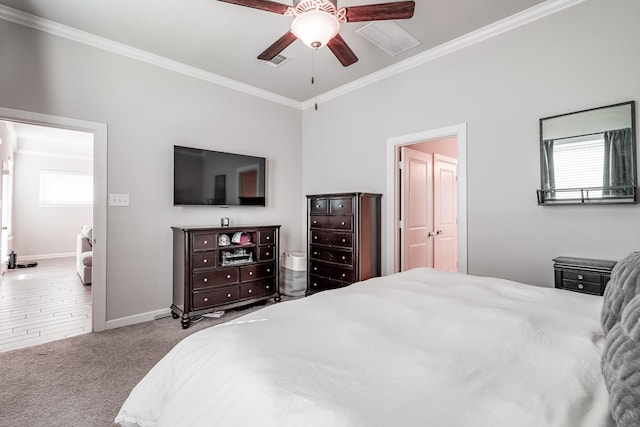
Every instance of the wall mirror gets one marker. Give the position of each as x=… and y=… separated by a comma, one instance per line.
x=589, y=157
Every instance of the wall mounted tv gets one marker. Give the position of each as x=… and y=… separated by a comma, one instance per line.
x=205, y=177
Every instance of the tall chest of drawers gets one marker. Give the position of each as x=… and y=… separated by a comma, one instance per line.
x=343, y=239
x=213, y=271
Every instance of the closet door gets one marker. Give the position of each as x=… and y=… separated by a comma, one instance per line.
x=416, y=209
x=445, y=215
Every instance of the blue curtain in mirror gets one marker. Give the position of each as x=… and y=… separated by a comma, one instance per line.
x=618, y=162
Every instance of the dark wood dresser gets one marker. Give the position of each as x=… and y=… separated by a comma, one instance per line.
x=213, y=271
x=585, y=275
x=343, y=239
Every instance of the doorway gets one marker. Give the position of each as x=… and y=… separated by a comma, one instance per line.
x=394, y=252
x=99, y=259
x=428, y=208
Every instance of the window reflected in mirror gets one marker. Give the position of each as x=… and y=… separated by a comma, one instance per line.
x=589, y=156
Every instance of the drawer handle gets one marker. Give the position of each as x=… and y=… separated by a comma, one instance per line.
x=206, y=299
x=580, y=286
x=580, y=277
x=344, y=274
x=315, y=285
x=268, y=237
x=344, y=257
x=268, y=270
x=205, y=242
x=250, y=290
x=228, y=295
x=315, y=268
x=344, y=240
x=342, y=223
x=315, y=253
x=205, y=280
x=268, y=287
x=205, y=260
x=251, y=273
x=315, y=222
x=315, y=237
x=317, y=206
x=267, y=254
x=342, y=206
x=228, y=276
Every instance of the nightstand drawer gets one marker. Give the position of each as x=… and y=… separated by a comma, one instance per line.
x=582, y=276
x=580, y=286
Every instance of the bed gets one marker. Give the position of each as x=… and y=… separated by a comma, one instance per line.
x=418, y=348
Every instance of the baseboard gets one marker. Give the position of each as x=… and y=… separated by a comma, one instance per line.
x=137, y=318
x=45, y=256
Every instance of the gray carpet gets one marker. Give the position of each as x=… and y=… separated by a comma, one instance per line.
x=83, y=380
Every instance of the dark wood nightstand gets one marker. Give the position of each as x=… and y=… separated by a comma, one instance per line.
x=589, y=276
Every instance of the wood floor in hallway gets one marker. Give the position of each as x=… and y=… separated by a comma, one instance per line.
x=42, y=304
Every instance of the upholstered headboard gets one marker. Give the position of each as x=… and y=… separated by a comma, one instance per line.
x=621, y=357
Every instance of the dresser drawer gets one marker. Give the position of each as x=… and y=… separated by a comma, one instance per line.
x=580, y=286
x=266, y=253
x=319, y=206
x=257, y=271
x=340, y=206
x=211, y=278
x=338, y=222
x=257, y=288
x=204, y=259
x=330, y=238
x=331, y=255
x=266, y=237
x=204, y=241
x=331, y=271
x=582, y=276
x=217, y=296
x=317, y=284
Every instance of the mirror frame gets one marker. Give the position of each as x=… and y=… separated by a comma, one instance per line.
x=630, y=196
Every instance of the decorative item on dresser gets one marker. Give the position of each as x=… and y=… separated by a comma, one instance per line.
x=589, y=276
x=217, y=268
x=343, y=240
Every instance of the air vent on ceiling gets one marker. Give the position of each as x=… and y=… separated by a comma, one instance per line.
x=389, y=36
x=277, y=61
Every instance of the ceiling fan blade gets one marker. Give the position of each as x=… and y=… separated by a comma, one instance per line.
x=269, y=6
x=380, y=12
x=278, y=46
x=342, y=51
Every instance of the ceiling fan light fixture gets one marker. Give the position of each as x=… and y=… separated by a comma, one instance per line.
x=315, y=28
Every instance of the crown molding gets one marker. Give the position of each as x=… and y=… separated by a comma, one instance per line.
x=492, y=30
x=51, y=27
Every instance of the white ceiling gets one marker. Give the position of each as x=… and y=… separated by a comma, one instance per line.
x=224, y=39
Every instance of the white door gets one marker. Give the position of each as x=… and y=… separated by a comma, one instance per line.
x=416, y=209
x=445, y=214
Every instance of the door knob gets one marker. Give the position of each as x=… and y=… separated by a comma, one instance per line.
x=430, y=234
x=438, y=232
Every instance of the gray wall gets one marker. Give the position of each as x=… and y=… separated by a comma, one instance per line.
x=583, y=57
x=44, y=231
x=147, y=110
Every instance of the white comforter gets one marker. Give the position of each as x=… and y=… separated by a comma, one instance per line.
x=420, y=348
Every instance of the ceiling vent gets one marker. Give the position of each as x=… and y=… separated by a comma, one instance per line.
x=277, y=61
x=389, y=36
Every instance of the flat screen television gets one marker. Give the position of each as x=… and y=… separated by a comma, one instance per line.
x=215, y=178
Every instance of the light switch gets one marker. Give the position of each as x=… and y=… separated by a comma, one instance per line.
x=118, y=199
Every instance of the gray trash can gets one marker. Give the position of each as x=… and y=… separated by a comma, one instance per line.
x=293, y=274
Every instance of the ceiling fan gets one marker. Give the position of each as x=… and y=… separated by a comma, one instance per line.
x=317, y=22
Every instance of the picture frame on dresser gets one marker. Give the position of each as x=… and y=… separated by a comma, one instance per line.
x=219, y=268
